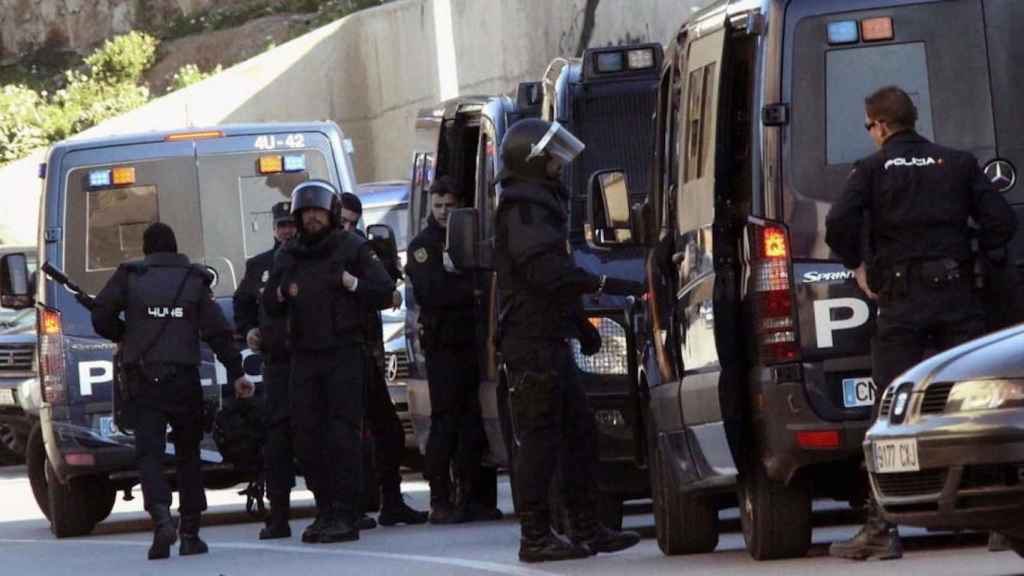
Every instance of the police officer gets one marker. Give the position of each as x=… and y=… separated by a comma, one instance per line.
x=539, y=291
x=914, y=198
x=324, y=282
x=267, y=335
x=167, y=306
x=389, y=438
x=447, y=322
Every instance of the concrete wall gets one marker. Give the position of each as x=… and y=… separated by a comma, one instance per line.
x=372, y=72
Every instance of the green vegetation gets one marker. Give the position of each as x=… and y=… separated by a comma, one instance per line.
x=188, y=75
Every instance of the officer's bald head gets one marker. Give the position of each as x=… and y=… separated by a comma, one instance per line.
x=159, y=237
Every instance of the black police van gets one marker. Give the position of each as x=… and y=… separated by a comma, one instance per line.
x=755, y=338
x=215, y=187
x=607, y=99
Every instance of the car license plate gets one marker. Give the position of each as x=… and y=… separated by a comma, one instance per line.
x=896, y=456
x=107, y=427
x=7, y=397
x=858, y=392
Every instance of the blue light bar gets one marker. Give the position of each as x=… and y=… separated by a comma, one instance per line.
x=611, y=62
x=844, y=32
x=294, y=163
x=99, y=178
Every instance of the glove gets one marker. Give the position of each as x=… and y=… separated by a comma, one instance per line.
x=620, y=287
x=590, y=339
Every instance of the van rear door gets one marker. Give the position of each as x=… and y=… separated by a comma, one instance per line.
x=937, y=52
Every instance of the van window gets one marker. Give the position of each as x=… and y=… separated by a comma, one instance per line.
x=116, y=219
x=855, y=73
x=698, y=113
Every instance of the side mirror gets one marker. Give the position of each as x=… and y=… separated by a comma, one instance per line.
x=15, y=282
x=382, y=235
x=215, y=274
x=609, y=221
x=463, y=242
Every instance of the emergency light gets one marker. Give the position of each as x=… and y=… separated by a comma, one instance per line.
x=99, y=178
x=124, y=175
x=876, y=29
x=844, y=32
x=294, y=163
x=274, y=163
x=637, y=59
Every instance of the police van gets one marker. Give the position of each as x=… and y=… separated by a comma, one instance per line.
x=215, y=188
x=607, y=99
x=756, y=339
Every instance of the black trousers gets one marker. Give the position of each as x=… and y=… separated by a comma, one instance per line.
x=327, y=398
x=173, y=397
x=553, y=422
x=918, y=318
x=456, y=428
x=388, y=436
x=279, y=457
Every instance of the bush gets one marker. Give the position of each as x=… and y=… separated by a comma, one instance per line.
x=20, y=122
x=188, y=75
x=123, y=58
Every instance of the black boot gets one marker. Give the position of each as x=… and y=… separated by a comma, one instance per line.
x=277, y=524
x=588, y=533
x=442, y=511
x=340, y=527
x=878, y=539
x=364, y=522
x=313, y=532
x=191, y=544
x=539, y=544
x=165, y=532
x=998, y=542
x=394, y=511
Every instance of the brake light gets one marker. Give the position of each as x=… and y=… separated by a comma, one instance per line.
x=204, y=135
x=80, y=459
x=818, y=439
x=774, y=317
x=51, y=356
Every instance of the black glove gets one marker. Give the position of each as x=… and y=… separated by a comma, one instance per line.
x=590, y=338
x=620, y=287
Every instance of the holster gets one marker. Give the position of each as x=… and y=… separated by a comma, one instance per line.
x=127, y=379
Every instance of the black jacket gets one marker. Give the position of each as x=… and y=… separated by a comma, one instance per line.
x=919, y=196
x=446, y=300
x=248, y=312
x=157, y=328
x=539, y=284
x=321, y=313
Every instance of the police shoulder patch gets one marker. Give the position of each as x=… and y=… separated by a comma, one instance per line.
x=420, y=255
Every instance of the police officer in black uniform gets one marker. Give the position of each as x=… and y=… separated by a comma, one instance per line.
x=167, y=306
x=388, y=436
x=915, y=200
x=267, y=335
x=447, y=323
x=324, y=282
x=539, y=290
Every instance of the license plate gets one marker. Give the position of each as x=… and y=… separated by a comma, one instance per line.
x=858, y=392
x=896, y=456
x=107, y=427
x=7, y=397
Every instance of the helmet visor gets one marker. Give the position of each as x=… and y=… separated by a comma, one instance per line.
x=311, y=195
x=558, y=143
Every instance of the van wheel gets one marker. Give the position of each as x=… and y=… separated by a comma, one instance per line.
x=683, y=523
x=71, y=513
x=101, y=500
x=35, y=461
x=776, y=518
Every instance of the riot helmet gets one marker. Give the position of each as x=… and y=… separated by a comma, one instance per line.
x=529, y=144
x=316, y=194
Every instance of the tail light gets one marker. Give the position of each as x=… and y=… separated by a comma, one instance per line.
x=51, y=356
x=774, y=313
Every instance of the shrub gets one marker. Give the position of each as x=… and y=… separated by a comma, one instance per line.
x=190, y=74
x=20, y=122
x=123, y=58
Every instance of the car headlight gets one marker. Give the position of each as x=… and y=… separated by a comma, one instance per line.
x=971, y=395
x=612, y=359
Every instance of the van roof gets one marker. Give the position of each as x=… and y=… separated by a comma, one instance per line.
x=375, y=194
x=160, y=135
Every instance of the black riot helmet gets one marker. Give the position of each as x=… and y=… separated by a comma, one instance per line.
x=316, y=194
x=529, y=144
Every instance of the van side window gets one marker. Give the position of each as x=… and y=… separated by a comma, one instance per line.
x=115, y=221
x=485, y=174
x=698, y=112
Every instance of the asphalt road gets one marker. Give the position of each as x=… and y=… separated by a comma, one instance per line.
x=119, y=546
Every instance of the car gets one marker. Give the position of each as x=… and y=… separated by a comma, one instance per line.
x=19, y=387
x=947, y=450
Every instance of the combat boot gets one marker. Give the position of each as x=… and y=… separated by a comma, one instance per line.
x=165, y=532
x=365, y=522
x=339, y=528
x=394, y=511
x=998, y=542
x=312, y=533
x=277, y=524
x=878, y=539
x=588, y=533
x=441, y=509
x=539, y=544
x=191, y=544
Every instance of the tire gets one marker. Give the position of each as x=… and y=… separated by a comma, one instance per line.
x=35, y=461
x=609, y=510
x=776, y=518
x=71, y=513
x=683, y=523
x=101, y=500
x=11, y=450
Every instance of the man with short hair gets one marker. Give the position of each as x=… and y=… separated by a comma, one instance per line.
x=267, y=335
x=914, y=199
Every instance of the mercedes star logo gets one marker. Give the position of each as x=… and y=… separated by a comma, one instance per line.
x=391, y=368
x=1001, y=174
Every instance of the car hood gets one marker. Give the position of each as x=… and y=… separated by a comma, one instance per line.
x=996, y=355
x=18, y=322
